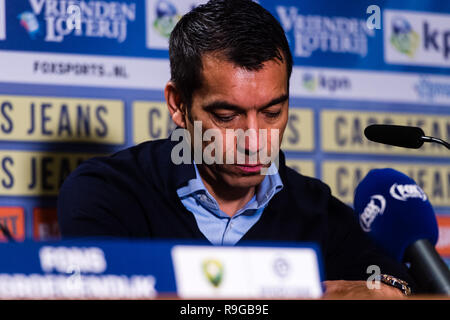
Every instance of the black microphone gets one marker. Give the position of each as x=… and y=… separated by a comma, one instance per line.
x=400, y=136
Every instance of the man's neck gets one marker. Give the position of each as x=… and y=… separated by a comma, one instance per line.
x=230, y=200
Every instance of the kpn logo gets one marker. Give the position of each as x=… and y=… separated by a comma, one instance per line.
x=403, y=37
x=328, y=83
x=416, y=38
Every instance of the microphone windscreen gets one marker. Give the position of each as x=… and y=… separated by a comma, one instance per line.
x=394, y=211
x=400, y=136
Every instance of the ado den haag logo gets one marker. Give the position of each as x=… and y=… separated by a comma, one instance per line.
x=167, y=17
x=213, y=270
x=403, y=37
x=161, y=18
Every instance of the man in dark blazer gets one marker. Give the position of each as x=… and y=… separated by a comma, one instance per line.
x=230, y=68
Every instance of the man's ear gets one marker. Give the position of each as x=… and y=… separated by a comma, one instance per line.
x=176, y=107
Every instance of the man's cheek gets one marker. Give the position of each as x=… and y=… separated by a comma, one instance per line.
x=212, y=148
x=230, y=149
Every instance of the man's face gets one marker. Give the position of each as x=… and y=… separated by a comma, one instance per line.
x=234, y=98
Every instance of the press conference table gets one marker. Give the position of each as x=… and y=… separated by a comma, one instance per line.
x=126, y=270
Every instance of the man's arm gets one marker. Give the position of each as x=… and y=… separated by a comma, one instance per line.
x=344, y=289
x=93, y=203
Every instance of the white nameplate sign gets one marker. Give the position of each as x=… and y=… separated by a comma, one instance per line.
x=246, y=272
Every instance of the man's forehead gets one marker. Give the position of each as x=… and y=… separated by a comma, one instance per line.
x=224, y=82
x=216, y=67
x=215, y=58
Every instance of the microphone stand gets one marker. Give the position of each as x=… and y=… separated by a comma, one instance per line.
x=427, y=267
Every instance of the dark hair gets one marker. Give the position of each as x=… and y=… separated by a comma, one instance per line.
x=243, y=31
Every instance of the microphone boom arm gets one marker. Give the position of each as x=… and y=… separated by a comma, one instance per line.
x=437, y=140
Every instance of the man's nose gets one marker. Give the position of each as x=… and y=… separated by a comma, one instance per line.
x=251, y=143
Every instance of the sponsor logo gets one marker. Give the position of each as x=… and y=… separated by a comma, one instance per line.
x=443, y=244
x=429, y=90
x=45, y=224
x=404, y=192
x=2, y=20
x=343, y=132
x=61, y=119
x=344, y=176
x=93, y=19
x=281, y=267
x=213, y=271
x=309, y=34
x=312, y=82
x=417, y=38
x=309, y=82
x=167, y=17
x=12, y=218
x=403, y=37
x=162, y=16
x=29, y=21
x=375, y=207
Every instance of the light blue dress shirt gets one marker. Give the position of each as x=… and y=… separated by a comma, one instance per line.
x=216, y=225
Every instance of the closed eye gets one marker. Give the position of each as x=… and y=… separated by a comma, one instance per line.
x=224, y=118
x=272, y=115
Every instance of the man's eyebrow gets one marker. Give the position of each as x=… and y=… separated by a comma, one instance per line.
x=229, y=106
x=275, y=101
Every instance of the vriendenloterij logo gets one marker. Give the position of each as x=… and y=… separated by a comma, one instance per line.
x=403, y=37
x=2, y=20
x=312, y=33
x=54, y=20
x=213, y=270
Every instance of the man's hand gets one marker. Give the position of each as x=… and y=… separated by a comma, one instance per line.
x=341, y=289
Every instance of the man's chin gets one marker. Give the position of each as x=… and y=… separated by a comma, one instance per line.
x=243, y=180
